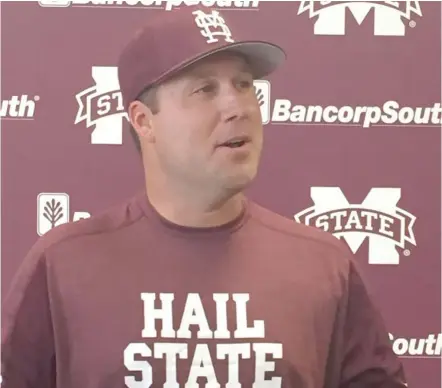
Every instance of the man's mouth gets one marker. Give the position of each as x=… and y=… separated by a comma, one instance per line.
x=236, y=142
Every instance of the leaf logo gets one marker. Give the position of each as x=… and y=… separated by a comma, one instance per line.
x=259, y=95
x=53, y=211
x=262, y=92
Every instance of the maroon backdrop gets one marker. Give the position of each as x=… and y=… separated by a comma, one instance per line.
x=353, y=136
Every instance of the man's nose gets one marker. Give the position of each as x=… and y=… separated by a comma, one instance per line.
x=233, y=104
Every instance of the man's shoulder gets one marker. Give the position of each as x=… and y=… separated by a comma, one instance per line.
x=298, y=232
x=111, y=219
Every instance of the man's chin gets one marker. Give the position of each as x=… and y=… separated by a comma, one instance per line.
x=239, y=180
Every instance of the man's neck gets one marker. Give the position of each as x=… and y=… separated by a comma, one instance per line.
x=195, y=210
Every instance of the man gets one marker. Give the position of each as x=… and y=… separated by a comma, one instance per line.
x=189, y=283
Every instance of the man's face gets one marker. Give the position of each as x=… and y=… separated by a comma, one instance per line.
x=201, y=110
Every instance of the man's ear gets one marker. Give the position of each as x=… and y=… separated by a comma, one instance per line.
x=141, y=119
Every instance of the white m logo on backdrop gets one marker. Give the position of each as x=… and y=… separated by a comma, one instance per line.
x=101, y=106
x=377, y=218
x=388, y=15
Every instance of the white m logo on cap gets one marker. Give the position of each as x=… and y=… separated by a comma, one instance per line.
x=212, y=26
x=377, y=218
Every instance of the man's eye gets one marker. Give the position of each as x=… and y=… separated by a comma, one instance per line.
x=246, y=84
x=205, y=89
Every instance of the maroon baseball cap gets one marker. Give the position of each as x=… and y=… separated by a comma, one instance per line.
x=173, y=40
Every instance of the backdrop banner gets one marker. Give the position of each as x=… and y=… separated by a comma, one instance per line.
x=352, y=136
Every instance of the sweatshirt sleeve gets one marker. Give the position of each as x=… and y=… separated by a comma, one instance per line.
x=368, y=357
x=27, y=348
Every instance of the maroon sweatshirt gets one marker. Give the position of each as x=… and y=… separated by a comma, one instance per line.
x=127, y=299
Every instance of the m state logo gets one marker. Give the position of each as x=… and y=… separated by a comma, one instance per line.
x=377, y=218
x=388, y=15
x=101, y=106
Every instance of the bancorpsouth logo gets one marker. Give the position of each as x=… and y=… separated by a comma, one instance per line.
x=389, y=16
x=389, y=113
x=166, y=5
x=378, y=219
x=101, y=107
x=428, y=347
x=53, y=210
x=19, y=107
x=285, y=112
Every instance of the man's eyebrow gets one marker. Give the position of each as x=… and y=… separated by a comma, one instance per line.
x=197, y=73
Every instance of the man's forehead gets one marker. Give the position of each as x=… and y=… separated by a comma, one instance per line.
x=208, y=67
x=217, y=62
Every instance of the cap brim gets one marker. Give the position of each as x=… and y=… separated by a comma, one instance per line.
x=262, y=57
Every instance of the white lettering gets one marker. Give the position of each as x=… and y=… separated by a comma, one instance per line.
x=281, y=110
x=373, y=115
x=138, y=366
x=353, y=221
x=357, y=219
x=151, y=314
x=194, y=315
x=422, y=115
x=345, y=114
x=263, y=366
x=242, y=331
x=390, y=115
x=18, y=107
x=103, y=105
x=221, y=331
x=232, y=353
x=202, y=367
x=197, y=360
x=436, y=113
x=171, y=4
x=369, y=216
x=322, y=222
x=337, y=217
x=386, y=223
x=330, y=114
x=366, y=116
x=80, y=216
x=171, y=351
x=202, y=364
x=430, y=346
